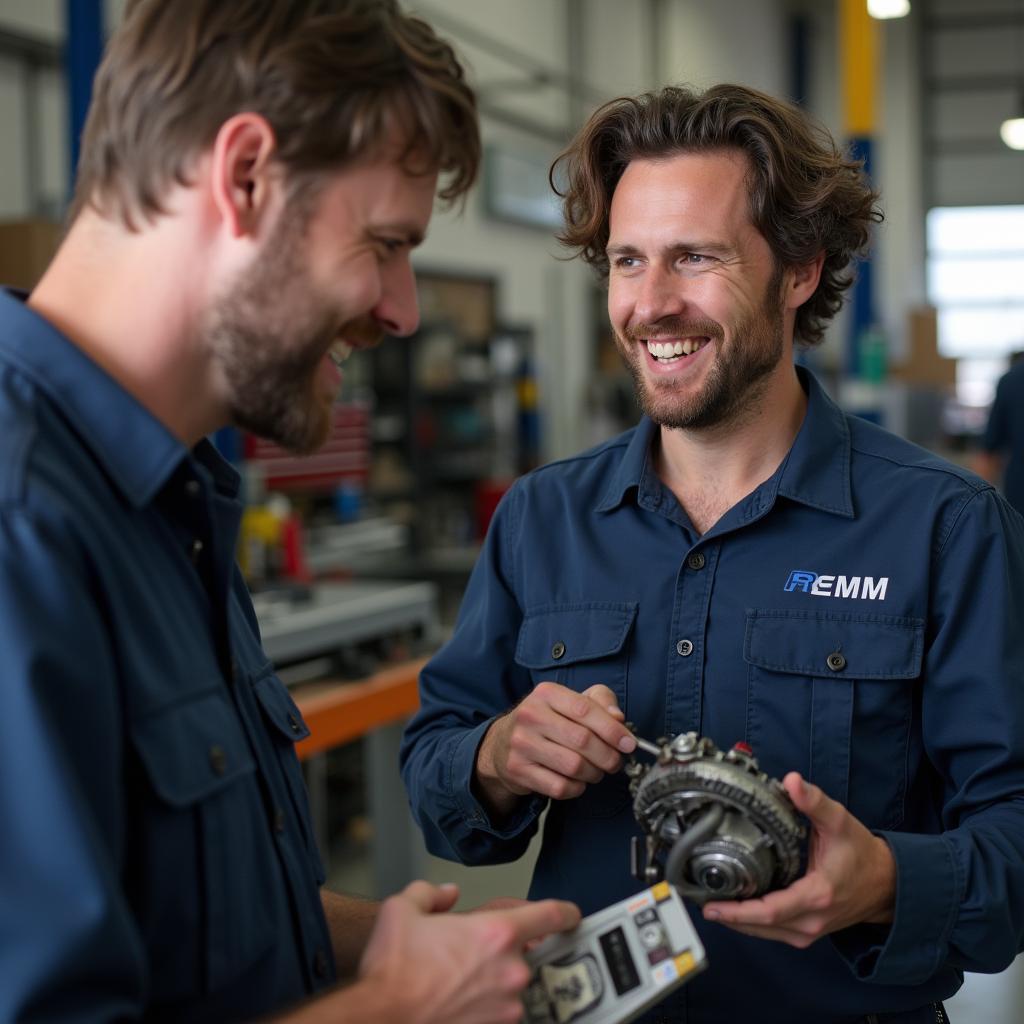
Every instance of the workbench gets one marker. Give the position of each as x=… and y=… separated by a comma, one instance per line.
x=330, y=617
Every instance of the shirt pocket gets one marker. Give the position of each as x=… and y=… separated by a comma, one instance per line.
x=204, y=850
x=287, y=727
x=832, y=695
x=579, y=645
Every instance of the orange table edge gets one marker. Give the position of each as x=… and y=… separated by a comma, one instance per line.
x=338, y=712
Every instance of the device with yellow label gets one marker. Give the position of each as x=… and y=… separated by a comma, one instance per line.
x=616, y=963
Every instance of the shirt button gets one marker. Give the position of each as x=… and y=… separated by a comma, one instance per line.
x=196, y=550
x=278, y=820
x=218, y=760
x=558, y=650
x=836, y=661
x=320, y=963
x=696, y=560
x=192, y=488
x=293, y=722
x=685, y=648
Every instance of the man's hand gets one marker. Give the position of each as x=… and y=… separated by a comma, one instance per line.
x=440, y=968
x=555, y=743
x=850, y=879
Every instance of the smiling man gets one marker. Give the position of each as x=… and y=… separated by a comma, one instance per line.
x=754, y=565
x=254, y=176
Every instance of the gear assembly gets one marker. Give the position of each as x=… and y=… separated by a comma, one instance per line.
x=715, y=826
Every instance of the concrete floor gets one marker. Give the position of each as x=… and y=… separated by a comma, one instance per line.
x=990, y=998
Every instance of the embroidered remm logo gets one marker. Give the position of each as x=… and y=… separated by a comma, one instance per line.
x=864, y=588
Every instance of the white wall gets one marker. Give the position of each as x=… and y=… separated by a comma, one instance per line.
x=725, y=41
x=41, y=18
x=620, y=42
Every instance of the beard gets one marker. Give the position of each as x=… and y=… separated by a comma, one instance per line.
x=268, y=334
x=736, y=379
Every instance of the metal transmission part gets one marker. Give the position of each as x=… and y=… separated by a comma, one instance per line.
x=716, y=826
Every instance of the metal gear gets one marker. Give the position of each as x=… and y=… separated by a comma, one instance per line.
x=716, y=826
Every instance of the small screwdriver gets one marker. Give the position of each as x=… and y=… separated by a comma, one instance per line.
x=648, y=746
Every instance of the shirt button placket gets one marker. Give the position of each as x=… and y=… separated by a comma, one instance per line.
x=695, y=561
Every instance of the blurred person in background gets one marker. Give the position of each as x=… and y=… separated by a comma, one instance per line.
x=254, y=176
x=1001, y=459
x=752, y=564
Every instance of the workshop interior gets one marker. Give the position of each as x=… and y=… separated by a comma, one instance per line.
x=357, y=555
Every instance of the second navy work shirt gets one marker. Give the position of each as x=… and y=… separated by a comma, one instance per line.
x=1004, y=432
x=157, y=860
x=859, y=545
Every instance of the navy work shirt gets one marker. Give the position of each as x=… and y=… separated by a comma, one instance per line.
x=157, y=858
x=859, y=543
x=1004, y=432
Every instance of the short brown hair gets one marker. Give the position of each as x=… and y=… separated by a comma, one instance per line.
x=805, y=196
x=330, y=77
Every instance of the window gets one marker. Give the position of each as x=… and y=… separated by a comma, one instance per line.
x=976, y=282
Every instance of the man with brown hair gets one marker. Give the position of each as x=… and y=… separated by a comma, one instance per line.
x=750, y=564
x=254, y=176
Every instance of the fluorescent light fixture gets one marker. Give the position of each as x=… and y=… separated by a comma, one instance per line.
x=1012, y=132
x=888, y=8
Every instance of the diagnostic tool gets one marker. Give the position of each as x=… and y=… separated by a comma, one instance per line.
x=616, y=963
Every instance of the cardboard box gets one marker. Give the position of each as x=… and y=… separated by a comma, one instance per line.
x=924, y=365
x=26, y=248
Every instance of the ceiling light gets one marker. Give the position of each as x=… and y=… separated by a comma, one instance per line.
x=888, y=8
x=1012, y=132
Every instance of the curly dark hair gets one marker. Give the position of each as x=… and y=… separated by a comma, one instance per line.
x=806, y=197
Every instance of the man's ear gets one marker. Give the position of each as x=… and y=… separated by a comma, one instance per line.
x=802, y=281
x=242, y=185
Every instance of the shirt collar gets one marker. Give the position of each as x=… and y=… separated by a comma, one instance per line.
x=817, y=469
x=631, y=470
x=816, y=472
x=138, y=452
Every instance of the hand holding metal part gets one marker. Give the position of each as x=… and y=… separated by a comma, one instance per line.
x=716, y=827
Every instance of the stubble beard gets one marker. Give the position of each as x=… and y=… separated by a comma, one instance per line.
x=268, y=335
x=736, y=379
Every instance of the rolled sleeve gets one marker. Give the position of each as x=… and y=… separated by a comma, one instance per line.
x=928, y=893
x=474, y=813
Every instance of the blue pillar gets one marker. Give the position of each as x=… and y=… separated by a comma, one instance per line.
x=84, y=47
